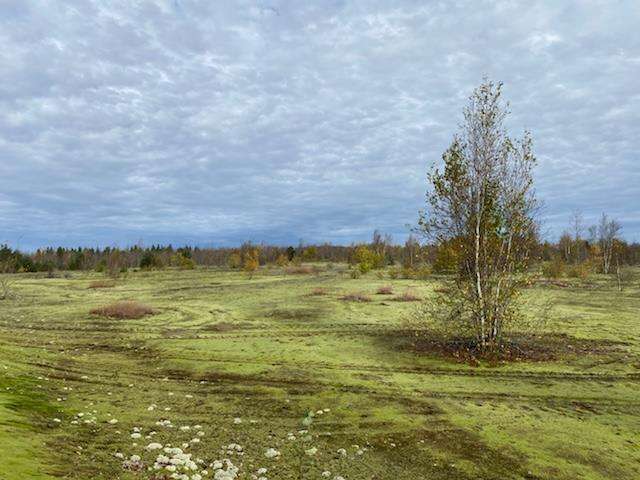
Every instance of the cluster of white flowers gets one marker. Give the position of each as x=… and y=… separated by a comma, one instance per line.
x=271, y=453
x=224, y=470
x=178, y=463
x=168, y=461
x=88, y=418
x=233, y=449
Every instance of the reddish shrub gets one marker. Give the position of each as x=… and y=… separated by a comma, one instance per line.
x=355, y=297
x=124, y=309
x=407, y=296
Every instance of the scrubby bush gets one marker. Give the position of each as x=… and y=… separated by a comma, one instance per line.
x=447, y=257
x=150, y=261
x=367, y=259
x=580, y=270
x=355, y=297
x=282, y=260
x=77, y=261
x=555, y=268
x=251, y=261
x=423, y=272
x=235, y=260
x=124, y=310
x=407, y=273
x=182, y=261
x=309, y=254
x=407, y=296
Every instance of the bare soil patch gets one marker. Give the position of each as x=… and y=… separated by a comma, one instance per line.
x=519, y=347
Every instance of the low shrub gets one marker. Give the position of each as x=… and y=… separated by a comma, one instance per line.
x=423, y=272
x=183, y=262
x=150, y=261
x=407, y=273
x=355, y=297
x=124, y=310
x=407, y=296
x=385, y=290
x=580, y=270
x=554, y=268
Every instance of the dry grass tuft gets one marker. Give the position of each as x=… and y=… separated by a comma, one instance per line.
x=385, y=290
x=124, y=309
x=355, y=297
x=407, y=296
x=300, y=270
x=102, y=284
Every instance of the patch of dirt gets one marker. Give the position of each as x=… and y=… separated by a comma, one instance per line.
x=519, y=347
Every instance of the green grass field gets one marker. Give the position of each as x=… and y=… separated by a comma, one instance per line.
x=243, y=361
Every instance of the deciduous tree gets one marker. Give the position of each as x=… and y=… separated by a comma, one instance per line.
x=483, y=202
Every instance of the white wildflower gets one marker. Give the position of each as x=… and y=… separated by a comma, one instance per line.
x=271, y=453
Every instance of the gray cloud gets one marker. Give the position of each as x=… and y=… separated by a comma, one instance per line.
x=216, y=122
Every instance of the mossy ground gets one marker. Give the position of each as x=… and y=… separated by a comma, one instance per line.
x=266, y=350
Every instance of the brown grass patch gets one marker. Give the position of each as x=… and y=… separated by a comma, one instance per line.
x=355, y=297
x=516, y=348
x=318, y=291
x=102, y=284
x=124, y=309
x=300, y=270
x=407, y=296
x=385, y=290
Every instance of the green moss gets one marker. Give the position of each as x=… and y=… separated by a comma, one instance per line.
x=222, y=346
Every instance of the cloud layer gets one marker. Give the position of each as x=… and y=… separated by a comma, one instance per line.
x=216, y=122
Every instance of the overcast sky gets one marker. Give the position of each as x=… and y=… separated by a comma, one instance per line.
x=216, y=122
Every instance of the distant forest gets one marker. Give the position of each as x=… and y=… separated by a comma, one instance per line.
x=570, y=253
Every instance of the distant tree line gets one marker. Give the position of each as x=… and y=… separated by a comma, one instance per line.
x=600, y=247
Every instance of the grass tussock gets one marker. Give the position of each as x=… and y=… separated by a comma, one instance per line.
x=300, y=270
x=124, y=310
x=385, y=290
x=407, y=296
x=102, y=284
x=316, y=292
x=355, y=297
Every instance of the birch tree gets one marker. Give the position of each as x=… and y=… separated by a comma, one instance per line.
x=608, y=231
x=483, y=203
